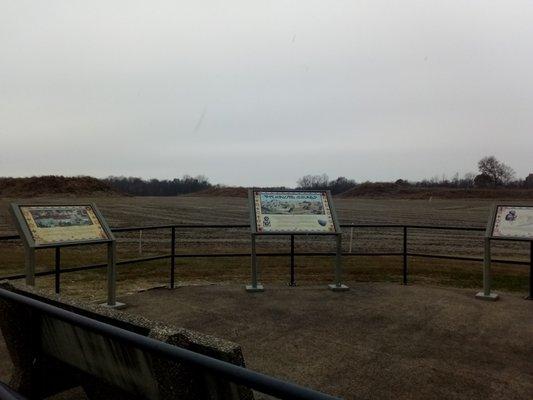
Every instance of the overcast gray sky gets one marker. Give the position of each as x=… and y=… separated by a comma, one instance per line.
x=263, y=92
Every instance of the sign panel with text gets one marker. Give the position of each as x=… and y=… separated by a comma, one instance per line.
x=513, y=222
x=294, y=212
x=51, y=225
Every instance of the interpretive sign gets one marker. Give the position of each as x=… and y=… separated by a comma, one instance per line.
x=513, y=222
x=507, y=222
x=59, y=225
x=293, y=212
x=49, y=225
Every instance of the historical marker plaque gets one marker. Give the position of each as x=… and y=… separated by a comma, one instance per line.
x=507, y=222
x=298, y=212
x=513, y=222
x=292, y=213
x=50, y=225
x=59, y=225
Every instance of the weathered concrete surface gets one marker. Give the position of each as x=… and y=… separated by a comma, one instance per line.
x=377, y=341
x=43, y=350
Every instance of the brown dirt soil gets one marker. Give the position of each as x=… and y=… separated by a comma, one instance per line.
x=47, y=186
x=227, y=191
x=385, y=189
x=222, y=192
x=393, y=190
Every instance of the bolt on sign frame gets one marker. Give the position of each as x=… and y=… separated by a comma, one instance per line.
x=45, y=226
x=511, y=223
x=293, y=213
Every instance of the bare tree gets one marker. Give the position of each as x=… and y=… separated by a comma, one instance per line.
x=313, y=182
x=341, y=184
x=528, y=182
x=468, y=180
x=498, y=172
x=155, y=187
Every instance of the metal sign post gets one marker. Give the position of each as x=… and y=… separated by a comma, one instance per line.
x=112, y=277
x=292, y=282
x=29, y=260
x=338, y=286
x=255, y=286
x=529, y=295
x=487, y=278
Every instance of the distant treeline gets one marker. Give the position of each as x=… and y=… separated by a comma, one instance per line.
x=492, y=174
x=155, y=187
x=469, y=181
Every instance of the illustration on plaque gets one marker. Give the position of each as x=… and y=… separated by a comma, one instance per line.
x=513, y=222
x=54, y=218
x=57, y=224
x=293, y=212
x=272, y=204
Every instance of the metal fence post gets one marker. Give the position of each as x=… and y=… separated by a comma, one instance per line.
x=292, y=282
x=351, y=240
x=338, y=286
x=140, y=242
x=30, y=266
x=405, y=255
x=172, y=256
x=57, y=269
x=530, y=296
x=112, y=277
x=111, y=274
x=487, y=278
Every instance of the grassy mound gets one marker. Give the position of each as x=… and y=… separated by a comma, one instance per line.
x=52, y=185
x=217, y=191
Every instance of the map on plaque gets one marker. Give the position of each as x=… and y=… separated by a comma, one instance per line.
x=58, y=224
x=284, y=211
x=513, y=222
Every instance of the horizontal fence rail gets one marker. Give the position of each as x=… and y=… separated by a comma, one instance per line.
x=173, y=255
x=233, y=373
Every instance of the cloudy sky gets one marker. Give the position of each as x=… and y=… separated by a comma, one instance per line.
x=263, y=92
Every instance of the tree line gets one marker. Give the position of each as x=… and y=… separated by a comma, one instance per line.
x=156, y=187
x=492, y=173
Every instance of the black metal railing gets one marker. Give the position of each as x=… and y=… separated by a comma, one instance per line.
x=173, y=255
x=233, y=373
x=6, y=393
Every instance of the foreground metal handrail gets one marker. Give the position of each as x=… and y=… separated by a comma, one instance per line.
x=6, y=393
x=233, y=373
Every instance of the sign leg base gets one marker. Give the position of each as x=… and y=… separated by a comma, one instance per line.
x=254, y=289
x=338, y=288
x=490, y=297
x=116, y=306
